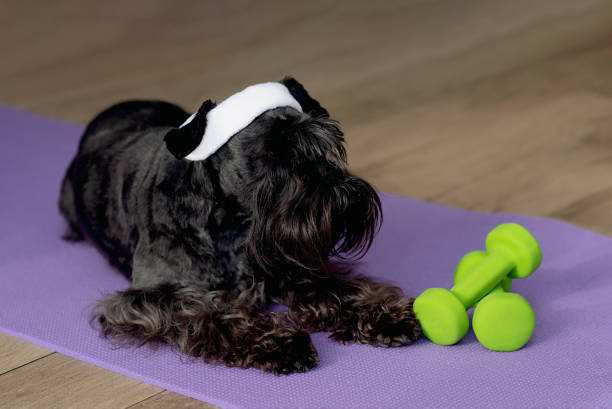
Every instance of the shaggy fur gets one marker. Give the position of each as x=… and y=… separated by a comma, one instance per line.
x=208, y=245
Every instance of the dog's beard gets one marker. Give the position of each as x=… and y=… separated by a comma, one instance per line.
x=299, y=222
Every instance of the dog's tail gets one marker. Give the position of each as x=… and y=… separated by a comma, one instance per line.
x=213, y=325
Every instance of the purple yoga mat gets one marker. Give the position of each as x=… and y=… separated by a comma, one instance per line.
x=47, y=285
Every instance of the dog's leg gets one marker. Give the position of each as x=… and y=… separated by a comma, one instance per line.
x=355, y=308
x=214, y=325
x=67, y=208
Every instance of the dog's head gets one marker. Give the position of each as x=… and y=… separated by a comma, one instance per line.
x=288, y=168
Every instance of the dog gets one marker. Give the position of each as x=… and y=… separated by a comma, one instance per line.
x=216, y=215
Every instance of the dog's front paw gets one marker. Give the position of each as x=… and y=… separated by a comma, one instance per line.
x=285, y=352
x=379, y=325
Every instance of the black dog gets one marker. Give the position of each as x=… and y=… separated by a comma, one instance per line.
x=210, y=239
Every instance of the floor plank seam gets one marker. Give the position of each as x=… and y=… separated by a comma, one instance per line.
x=28, y=363
x=147, y=398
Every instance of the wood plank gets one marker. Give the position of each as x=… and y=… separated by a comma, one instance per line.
x=15, y=352
x=491, y=161
x=58, y=381
x=171, y=400
x=358, y=58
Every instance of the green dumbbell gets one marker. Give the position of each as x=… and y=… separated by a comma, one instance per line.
x=511, y=252
x=502, y=321
x=471, y=260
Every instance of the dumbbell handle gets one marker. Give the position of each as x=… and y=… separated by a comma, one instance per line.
x=471, y=260
x=493, y=268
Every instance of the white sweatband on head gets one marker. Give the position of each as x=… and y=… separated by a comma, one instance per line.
x=237, y=112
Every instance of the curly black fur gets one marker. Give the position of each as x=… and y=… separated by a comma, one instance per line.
x=209, y=244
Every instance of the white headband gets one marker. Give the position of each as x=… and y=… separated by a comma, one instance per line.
x=237, y=112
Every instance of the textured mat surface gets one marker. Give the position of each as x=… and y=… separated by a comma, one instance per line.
x=46, y=286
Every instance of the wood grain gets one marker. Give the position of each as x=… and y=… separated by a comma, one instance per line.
x=14, y=352
x=171, y=400
x=57, y=381
x=481, y=104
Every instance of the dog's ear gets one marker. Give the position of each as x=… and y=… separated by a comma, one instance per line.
x=184, y=139
x=309, y=104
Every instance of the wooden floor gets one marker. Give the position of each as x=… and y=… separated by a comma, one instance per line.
x=501, y=106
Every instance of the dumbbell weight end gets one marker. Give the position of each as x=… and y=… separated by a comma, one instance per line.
x=503, y=321
x=442, y=316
